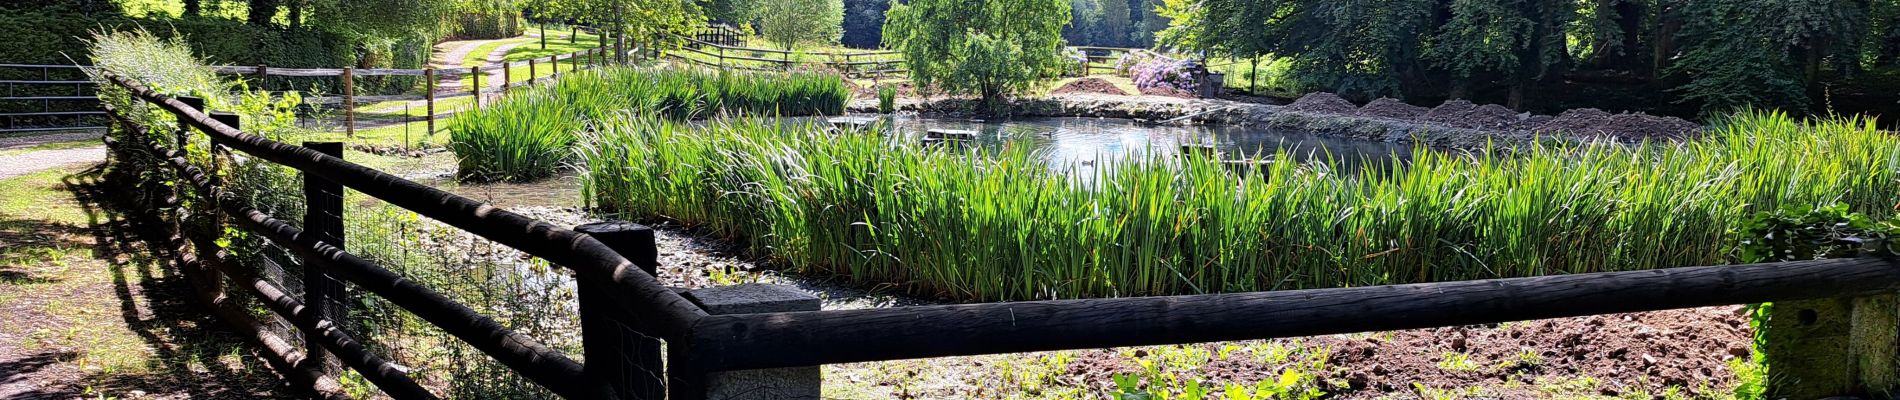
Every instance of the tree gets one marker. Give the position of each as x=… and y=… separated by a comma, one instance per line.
x=789, y=23
x=864, y=23
x=1115, y=22
x=989, y=48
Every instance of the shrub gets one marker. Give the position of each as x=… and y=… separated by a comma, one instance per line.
x=521, y=139
x=1161, y=73
x=886, y=99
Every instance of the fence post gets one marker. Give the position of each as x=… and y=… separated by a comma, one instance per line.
x=475, y=84
x=349, y=102
x=428, y=74
x=323, y=218
x=507, y=75
x=774, y=383
x=531, y=73
x=263, y=77
x=617, y=355
x=1832, y=347
x=213, y=284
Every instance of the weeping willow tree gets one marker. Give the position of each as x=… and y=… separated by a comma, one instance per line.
x=989, y=48
x=1714, y=54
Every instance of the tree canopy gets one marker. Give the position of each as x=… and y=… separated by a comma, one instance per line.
x=1712, y=54
x=789, y=23
x=986, y=47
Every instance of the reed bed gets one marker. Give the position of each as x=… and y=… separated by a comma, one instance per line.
x=528, y=135
x=1004, y=226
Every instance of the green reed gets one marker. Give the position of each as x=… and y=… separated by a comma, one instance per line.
x=970, y=226
x=528, y=135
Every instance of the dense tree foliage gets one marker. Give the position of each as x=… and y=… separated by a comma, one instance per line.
x=864, y=23
x=985, y=47
x=1130, y=23
x=789, y=23
x=1713, y=54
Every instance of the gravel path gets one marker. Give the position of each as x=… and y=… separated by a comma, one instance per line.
x=13, y=165
x=35, y=140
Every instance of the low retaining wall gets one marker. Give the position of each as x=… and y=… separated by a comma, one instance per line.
x=1214, y=111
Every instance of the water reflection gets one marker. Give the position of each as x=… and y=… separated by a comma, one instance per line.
x=1087, y=142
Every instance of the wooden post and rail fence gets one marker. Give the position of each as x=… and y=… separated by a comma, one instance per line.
x=766, y=341
x=89, y=115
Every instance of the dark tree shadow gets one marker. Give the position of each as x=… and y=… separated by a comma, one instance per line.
x=155, y=303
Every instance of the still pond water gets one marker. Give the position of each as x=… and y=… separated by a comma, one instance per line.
x=1086, y=142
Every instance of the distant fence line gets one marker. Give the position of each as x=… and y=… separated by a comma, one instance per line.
x=878, y=64
x=82, y=110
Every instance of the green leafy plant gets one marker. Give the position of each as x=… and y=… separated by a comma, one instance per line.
x=1799, y=232
x=886, y=99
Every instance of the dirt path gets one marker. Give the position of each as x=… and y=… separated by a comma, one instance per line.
x=87, y=312
x=18, y=163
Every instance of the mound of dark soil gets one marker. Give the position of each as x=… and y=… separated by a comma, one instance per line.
x=1389, y=108
x=1463, y=114
x=1452, y=113
x=1322, y=102
x=1635, y=126
x=1579, y=121
x=1090, y=85
x=1627, y=353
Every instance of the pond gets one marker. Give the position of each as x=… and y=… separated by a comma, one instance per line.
x=1086, y=142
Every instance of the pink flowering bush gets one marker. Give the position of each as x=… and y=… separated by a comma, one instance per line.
x=1161, y=73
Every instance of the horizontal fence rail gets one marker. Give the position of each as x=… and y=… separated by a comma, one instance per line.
x=540, y=70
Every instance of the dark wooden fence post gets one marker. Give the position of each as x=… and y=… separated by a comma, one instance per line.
x=531, y=73
x=263, y=77
x=323, y=218
x=428, y=74
x=475, y=85
x=507, y=75
x=349, y=102
x=617, y=354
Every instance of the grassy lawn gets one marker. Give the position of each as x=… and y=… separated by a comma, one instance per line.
x=89, y=313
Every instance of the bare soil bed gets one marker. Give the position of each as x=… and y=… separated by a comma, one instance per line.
x=1089, y=85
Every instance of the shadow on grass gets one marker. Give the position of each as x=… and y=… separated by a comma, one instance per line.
x=189, y=349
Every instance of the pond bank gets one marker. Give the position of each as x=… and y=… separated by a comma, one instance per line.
x=1457, y=124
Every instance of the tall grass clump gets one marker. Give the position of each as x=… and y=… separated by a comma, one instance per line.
x=527, y=135
x=1006, y=227
x=520, y=139
x=886, y=99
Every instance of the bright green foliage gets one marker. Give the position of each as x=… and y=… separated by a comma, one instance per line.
x=527, y=135
x=886, y=99
x=789, y=23
x=856, y=206
x=1743, y=53
x=989, y=48
x=1799, y=232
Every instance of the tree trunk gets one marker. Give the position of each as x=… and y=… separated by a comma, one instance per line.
x=296, y=13
x=194, y=8
x=262, y=11
x=544, y=34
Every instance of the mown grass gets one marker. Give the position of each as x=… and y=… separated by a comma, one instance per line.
x=969, y=226
x=528, y=135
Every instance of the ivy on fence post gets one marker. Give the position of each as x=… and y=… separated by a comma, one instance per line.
x=1824, y=347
